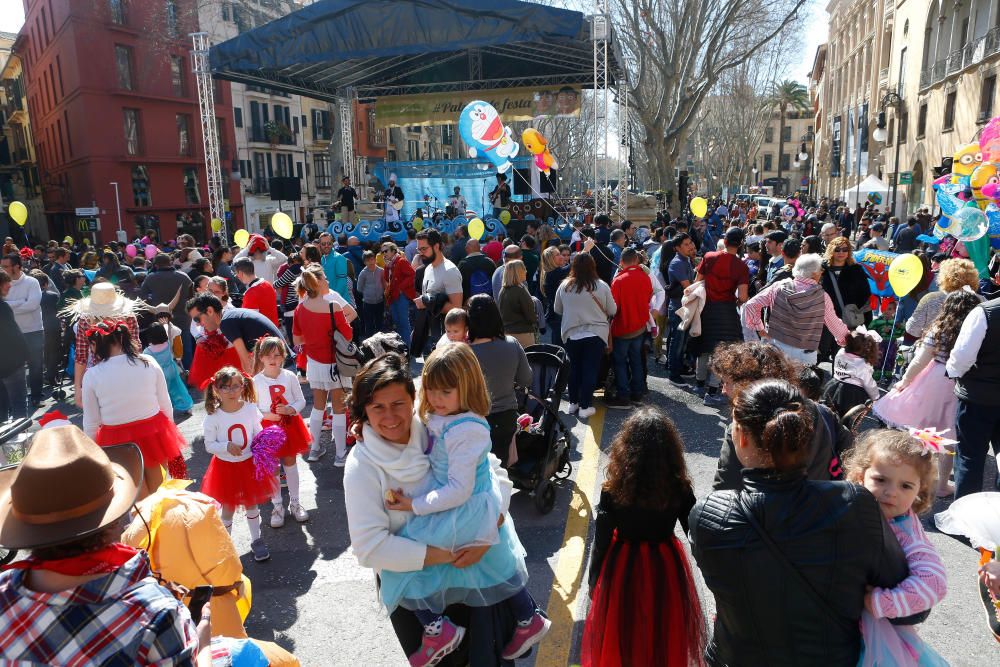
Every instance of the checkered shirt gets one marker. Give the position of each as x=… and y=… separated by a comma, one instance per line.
x=82, y=353
x=122, y=619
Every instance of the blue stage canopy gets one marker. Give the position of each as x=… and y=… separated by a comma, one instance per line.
x=382, y=48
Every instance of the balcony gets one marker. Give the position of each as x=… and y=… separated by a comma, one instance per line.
x=958, y=60
x=883, y=76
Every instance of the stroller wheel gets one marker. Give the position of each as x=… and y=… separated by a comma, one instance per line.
x=545, y=497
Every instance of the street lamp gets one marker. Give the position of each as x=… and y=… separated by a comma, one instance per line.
x=880, y=135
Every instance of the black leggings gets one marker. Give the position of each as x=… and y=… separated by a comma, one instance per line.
x=503, y=424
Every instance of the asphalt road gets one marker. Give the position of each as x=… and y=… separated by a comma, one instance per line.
x=314, y=599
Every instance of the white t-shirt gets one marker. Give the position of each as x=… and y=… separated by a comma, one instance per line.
x=117, y=391
x=239, y=427
x=285, y=385
x=444, y=278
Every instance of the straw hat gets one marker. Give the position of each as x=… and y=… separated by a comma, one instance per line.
x=66, y=488
x=104, y=301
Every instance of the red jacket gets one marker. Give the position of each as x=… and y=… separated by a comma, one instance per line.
x=260, y=296
x=632, y=290
x=401, y=279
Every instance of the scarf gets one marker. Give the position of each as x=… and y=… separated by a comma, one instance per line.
x=102, y=561
x=408, y=464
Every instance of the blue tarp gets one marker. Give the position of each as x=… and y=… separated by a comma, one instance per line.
x=386, y=47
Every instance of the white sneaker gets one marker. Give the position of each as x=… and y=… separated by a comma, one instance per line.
x=573, y=408
x=315, y=454
x=340, y=461
x=278, y=516
x=587, y=412
x=299, y=512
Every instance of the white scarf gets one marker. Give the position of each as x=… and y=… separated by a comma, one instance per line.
x=408, y=464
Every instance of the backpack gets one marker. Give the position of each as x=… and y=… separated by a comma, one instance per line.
x=480, y=282
x=349, y=359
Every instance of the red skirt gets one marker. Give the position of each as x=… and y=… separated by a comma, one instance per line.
x=645, y=609
x=157, y=437
x=298, y=440
x=205, y=364
x=234, y=484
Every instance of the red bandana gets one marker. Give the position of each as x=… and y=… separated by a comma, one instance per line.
x=102, y=561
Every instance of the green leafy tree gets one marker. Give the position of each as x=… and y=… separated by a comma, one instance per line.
x=787, y=95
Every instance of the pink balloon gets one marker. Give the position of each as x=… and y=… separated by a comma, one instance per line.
x=151, y=251
x=130, y=250
x=989, y=140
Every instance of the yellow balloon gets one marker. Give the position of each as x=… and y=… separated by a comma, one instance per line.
x=904, y=274
x=282, y=225
x=68, y=239
x=19, y=212
x=418, y=224
x=476, y=228
x=216, y=225
x=242, y=237
x=505, y=216
x=699, y=207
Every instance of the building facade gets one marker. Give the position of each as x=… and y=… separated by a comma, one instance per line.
x=786, y=152
x=115, y=118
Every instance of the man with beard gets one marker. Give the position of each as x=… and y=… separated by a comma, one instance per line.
x=441, y=288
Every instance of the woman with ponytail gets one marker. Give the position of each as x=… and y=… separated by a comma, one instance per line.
x=788, y=559
x=125, y=399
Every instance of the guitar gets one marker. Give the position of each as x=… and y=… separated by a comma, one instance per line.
x=396, y=203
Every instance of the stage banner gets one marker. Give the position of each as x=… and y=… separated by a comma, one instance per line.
x=444, y=108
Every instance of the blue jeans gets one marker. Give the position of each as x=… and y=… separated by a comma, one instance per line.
x=371, y=318
x=187, y=340
x=584, y=365
x=554, y=322
x=977, y=426
x=17, y=396
x=627, y=354
x=399, y=310
x=36, y=360
x=675, y=346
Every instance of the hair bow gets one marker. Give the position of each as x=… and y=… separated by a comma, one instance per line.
x=26, y=253
x=110, y=327
x=207, y=382
x=932, y=439
x=865, y=331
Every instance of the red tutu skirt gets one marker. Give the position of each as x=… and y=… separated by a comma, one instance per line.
x=644, y=609
x=157, y=437
x=205, y=363
x=297, y=436
x=234, y=484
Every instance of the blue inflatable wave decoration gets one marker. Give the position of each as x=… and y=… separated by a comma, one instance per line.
x=372, y=231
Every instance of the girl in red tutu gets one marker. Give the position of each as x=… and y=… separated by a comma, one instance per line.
x=232, y=478
x=644, y=608
x=125, y=399
x=212, y=351
x=280, y=400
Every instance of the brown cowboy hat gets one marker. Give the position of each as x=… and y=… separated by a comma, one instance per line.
x=66, y=488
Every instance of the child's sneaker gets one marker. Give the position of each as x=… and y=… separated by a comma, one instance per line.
x=526, y=636
x=434, y=648
x=259, y=549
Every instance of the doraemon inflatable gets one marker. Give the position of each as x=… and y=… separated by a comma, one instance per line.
x=485, y=134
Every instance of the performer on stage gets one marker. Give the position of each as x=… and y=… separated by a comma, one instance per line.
x=393, y=195
x=347, y=196
x=500, y=195
x=457, y=204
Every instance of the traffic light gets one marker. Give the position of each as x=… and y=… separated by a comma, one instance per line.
x=944, y=168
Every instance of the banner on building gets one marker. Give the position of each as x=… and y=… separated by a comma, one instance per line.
x=849, y=144
x=863, y=140
x=835, y=147
x=444, y=108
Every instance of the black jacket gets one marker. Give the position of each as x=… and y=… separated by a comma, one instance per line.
x=830, y=440
x=853, y=285
x=832, y=532
x=12, y=341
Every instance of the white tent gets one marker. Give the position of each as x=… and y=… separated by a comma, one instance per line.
x=872, y=184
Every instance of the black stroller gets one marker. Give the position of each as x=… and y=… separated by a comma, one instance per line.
x=543, y=449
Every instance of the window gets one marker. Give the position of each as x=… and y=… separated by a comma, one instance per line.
x=986, y=94
x=284, y=164
x=183, y=134
x=921, y=120
x=191, y=186
x=904, y=126
x=447, y=135
x=890, y=132
x=786, y=161
x=768, y=162
x=298, y=170
x=177, y=75
x=769, y=135
x=321, y=165
x=260, y=178
x=117, y=8
x=132, y=145
x=123, y=61
x=901, y=84
x=949, y=111
x=413, y=128
x=225, y=11
x=412, y=149
x=786, y=133
x=238, y=116
x=171, y=12
x=322, y=127
x=140, y=186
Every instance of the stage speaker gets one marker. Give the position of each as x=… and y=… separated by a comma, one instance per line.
x=285, y=188
x=522, y=182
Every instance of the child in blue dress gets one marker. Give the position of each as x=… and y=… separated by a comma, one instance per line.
x=159, y=349
x=461, y=510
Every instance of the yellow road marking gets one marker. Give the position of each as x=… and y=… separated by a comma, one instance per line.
x=567, y=585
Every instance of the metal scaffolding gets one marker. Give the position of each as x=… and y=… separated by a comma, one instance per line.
x=624, y=144
x=209, y=129
x=346, y=107
x=600, y=31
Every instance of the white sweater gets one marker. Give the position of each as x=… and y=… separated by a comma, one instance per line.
x=267, y=268
x=286, y=385
x=239, y=427
x=24, y=299
x=376, y=466
x=117, y=391
x=852, y=369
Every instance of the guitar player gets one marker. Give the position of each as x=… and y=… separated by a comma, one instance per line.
x=500, y=195
x=393, y=201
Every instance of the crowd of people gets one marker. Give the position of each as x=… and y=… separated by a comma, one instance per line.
x=772, y=319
